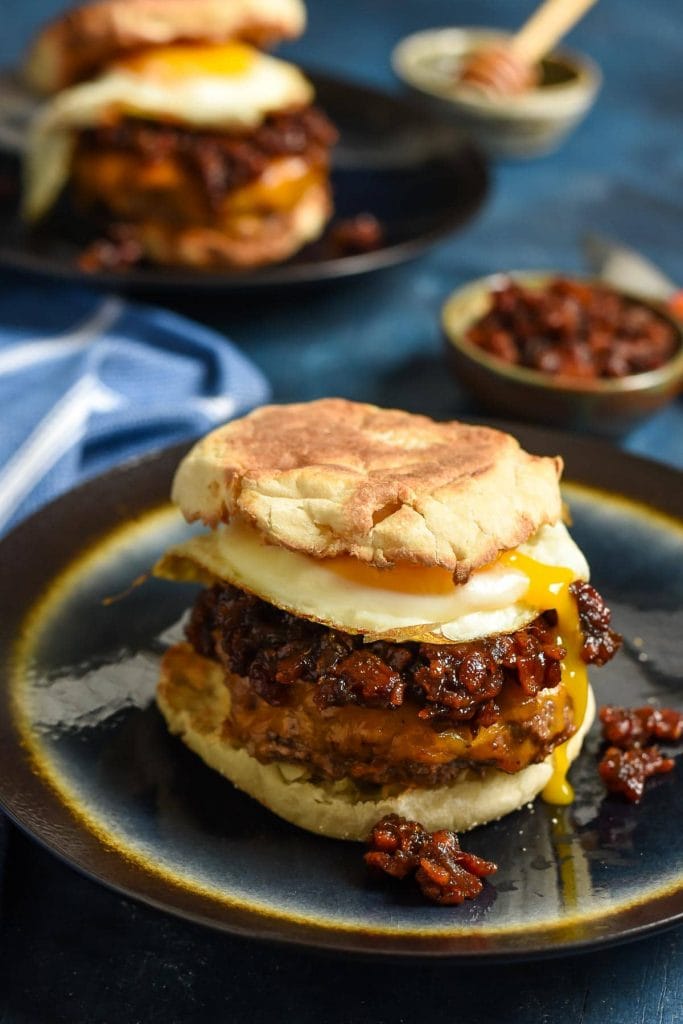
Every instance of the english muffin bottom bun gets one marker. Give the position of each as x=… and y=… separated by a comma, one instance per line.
x=207, y=154
x=394, y=618
x=83, y=40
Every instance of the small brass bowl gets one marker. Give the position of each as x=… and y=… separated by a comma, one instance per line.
x=531, y=124
x=609, y=407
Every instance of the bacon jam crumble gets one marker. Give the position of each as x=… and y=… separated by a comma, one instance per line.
x=627, y=771
x=450, y=682
x=630, y=760
x=386, y=713
x=445, y=874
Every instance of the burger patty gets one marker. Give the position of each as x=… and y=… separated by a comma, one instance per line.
x=378, y=747
x=447, y=683
x=219, y=161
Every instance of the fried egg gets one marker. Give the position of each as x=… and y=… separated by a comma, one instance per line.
x=231, y=86
x=404, y=603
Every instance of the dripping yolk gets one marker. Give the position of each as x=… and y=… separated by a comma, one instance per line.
x=549, y=588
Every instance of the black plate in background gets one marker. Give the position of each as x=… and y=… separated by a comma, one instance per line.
x=415, y=172
x=165, y=829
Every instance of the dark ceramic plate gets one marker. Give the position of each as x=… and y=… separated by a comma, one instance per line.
x=413, y=171
x=88, y=768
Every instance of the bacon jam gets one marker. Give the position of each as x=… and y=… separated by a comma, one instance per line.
x=118, y=250
x=574, y=329
x=307, y=694
x=626, y=727
x=450, y=682
x=445, y=873
x=629, y=761
x=218, y=161
x=627, y=771
x=362, y=233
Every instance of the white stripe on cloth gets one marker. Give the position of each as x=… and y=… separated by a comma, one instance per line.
x=216, y=407
x=40, y=350
x=63, y=427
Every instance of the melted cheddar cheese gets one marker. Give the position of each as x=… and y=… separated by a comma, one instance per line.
x=164, y=191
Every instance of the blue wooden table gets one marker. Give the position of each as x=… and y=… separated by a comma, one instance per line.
x=74, y=952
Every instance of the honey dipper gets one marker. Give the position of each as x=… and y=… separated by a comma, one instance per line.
x=509, y=67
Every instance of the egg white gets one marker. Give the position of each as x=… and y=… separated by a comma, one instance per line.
x=231, y=102
x=491, y=601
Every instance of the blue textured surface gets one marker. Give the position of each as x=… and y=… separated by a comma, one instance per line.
x=621, y=172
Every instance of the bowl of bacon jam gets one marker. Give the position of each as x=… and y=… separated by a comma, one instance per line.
x=564, y=351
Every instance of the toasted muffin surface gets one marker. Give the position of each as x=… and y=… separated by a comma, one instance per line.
x=335, y=477
x=85, y=38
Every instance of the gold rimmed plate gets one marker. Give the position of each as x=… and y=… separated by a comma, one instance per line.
x=88, y=768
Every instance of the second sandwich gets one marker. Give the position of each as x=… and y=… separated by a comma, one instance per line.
x=186, y=140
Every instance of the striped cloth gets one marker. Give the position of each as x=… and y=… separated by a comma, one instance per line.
x=87, y=381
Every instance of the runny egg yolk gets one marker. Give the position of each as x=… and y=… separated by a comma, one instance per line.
x=405, y=579
x=548, y=588
x=178, y=62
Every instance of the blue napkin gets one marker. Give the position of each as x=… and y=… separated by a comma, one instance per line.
x=88, y=380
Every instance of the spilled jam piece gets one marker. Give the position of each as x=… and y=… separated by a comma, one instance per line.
x=627, y=771
x=629, y=727
x=445, y=873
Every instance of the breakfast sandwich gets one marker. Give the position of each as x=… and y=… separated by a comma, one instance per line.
x=167, y=125
x=394, y=620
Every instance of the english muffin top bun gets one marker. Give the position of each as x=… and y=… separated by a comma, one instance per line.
x=335, y=477
x=396, y=619
x=86, y=38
